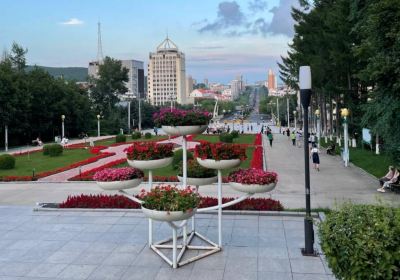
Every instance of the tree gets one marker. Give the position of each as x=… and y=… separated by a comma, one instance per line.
x=17, y=57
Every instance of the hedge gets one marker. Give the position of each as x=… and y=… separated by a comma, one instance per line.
x=147, y=135
x=53, y=150
x=226, y=138
x=136, y=135
x=120, y=138
x=7, y=161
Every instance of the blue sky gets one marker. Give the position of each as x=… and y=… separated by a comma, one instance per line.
x=220, y=39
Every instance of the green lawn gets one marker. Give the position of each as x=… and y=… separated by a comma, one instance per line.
x=108, y=142
x=25, y=164
x=243, y=138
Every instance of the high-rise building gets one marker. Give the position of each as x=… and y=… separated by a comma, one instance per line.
x=235, y=89
x=166, y=76
x=189, y=89
x=271, y=81
x=135, y=83
x=206, y=82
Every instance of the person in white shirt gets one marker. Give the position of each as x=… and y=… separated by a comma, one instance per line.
x=315, y=156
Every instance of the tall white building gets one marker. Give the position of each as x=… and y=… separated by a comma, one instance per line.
x=189, y=89
x=166, y=76
x=236, y=88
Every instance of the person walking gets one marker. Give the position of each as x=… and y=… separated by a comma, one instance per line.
x=293, y=138
x=270, y=138
x=315, y=156
x=298, y=139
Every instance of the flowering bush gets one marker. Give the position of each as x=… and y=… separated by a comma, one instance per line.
x=96, y=150
x=176, y=117
x=88, y=175
x=195, y=170
x=253, y=176
x=118, y=174
x=220, y=151
x=168, y=198
x=149, y=151
x=257, y=159
x=119, y=201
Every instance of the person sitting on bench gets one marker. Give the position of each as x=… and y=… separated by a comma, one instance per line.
x=37, y=142
x=391, y=177
x=331, y=149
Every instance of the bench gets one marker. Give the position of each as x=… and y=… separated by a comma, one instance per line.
x=395, y=187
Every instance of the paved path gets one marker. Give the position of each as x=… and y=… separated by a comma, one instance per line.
x=112, y=245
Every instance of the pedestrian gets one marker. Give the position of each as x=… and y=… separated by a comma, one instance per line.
x=312, y=139
x=156, y=131
x=270, y=138
x=288, y=132
x=293, y=138
x=229, y=129
x=391, y=177
x=315, y=156
x=251, y=127
x=298, y=139
x=262, y=129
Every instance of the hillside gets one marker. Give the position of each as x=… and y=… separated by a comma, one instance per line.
x=69, y=73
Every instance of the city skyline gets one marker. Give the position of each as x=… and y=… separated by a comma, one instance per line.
x=220, y=39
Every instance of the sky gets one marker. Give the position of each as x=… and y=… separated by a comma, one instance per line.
x=220, y=39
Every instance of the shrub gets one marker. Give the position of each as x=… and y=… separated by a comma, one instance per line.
x=147, y=135
x=136, y=135
x=226, y=138
x=120, y=138
x=195, y=170
x=362, y=242
x=53, y=150
x=178, y=156
x=235, y=134
x=7, y=161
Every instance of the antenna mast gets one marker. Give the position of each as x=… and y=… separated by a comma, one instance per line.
x=99, y=45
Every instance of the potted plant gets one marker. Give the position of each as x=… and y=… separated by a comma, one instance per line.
x=197, y=175
x=253, y=180
x=219, y=155
x=167, y=203
x=149, y=155
x=182, y=122
x=118, y=178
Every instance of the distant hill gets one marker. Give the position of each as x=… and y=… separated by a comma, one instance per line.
x=69, y=73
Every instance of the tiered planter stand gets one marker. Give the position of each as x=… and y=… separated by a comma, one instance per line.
x=178, y=220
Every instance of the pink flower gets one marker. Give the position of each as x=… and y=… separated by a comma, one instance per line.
x=253, y=176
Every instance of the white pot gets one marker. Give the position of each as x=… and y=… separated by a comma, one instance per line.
x=199, y=181
x=168, y=216
x=184, y=129
x=150, y=164
x=219, y=164
x=119, y=185
x=252, y=188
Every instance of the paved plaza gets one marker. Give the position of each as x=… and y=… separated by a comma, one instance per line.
x=112, y=245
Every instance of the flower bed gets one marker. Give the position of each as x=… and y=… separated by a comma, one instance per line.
x=58, y=170
x=253, y=176
x=257, y=159
x=220, y=151
x=121, y=202
x=149, y=151
x=96, y=150
x=179, y=117
x=118, y=174
x=88, y=175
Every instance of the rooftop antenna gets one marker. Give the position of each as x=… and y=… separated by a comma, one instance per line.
x=100, y=57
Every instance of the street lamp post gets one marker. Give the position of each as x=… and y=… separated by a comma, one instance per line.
x=277, y=111
x=287, y=106
x=295, y=121
x=62, y=126
x=305, y=92
x=317, y=114
x=346, y=153
x=98, y=125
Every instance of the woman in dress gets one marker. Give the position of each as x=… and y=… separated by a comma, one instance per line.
x=315, y=156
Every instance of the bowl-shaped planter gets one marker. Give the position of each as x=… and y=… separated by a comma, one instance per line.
x=184, y=129
x=199, y=181
x=166, y=216
x=219, y=164
x=252, y=188
x=119, y=185
x=150, y=164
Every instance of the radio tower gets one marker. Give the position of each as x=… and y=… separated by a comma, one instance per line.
x=100, y=57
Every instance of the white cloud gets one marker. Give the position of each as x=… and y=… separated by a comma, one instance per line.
x=72, y=21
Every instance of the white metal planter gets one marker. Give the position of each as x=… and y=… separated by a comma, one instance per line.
x=166, y=216
x=219, y=164
x=184, y=129
x=119, y=185
x=252, y=188
x=150, y=164
x=199, y=181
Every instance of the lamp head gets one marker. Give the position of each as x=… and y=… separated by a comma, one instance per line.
x=98, y=117
x=294, y=112
x=317, y=112
x=305, y=86
x=344, y=112
x=63, y=117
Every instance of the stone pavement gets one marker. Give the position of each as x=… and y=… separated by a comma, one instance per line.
x=112, y=245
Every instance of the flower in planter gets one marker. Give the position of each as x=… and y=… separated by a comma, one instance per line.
x=149, y=151
x=179, y=117
x=118, y=174
x=169, y=198
x=253, y=176
x=195, y=170
x=220, y=151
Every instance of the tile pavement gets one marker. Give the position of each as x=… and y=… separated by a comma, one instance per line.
x=112, y=245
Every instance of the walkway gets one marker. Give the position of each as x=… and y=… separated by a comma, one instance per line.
x=112, y=245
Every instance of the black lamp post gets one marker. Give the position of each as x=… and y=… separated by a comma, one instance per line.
x=305, y=97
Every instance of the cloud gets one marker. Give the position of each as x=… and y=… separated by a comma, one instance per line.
x=256, y=6
x=229, y=15
x=282, y=21
x=72, y=21
x=207, y=47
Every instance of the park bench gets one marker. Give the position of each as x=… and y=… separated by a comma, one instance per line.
x=395, y=187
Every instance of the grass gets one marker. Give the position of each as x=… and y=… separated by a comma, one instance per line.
x=243, y=138
x=25, y=164
x=366, y=159
x=110, y=141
